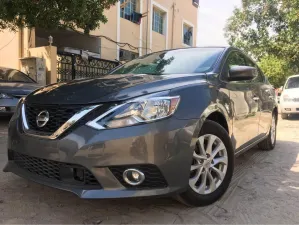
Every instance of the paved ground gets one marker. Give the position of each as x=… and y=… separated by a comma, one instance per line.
x=265, y=189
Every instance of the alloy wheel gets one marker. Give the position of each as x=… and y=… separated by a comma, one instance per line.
x=209, y=164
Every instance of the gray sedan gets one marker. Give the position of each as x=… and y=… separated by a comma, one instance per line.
x=168, y=123
x=13, y=86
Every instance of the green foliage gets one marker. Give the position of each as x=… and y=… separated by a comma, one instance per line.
x=277, y=70
x=269, y=31
x=52, y=14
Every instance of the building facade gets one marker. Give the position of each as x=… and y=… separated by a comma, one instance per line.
x=165, y=24
x=134, y=28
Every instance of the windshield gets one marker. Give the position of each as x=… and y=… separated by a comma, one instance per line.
x=180, y=61
x=11, y=75
x=292, y=83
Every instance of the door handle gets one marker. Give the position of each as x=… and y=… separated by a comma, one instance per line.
x=256, y=98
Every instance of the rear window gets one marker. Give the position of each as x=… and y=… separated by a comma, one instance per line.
x=11, y=75
x=292, y=83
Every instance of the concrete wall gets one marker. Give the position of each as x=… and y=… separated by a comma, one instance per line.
x=184, y=12
x=9, y=49
x=158, y=42
x=108, y=48
x=49, y=53
x=129, y=33
x=187, y=13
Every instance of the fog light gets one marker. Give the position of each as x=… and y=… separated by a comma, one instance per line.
x=2, y=109
x=133, y=177
x=287, y=109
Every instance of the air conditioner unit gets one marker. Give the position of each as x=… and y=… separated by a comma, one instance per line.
x=127, y=55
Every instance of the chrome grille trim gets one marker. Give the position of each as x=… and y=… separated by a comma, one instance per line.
x=84, y=111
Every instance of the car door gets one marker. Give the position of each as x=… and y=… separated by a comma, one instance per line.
x=264, y=93
x=243, y=103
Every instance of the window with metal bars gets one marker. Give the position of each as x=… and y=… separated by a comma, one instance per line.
x=158, y=21
x=188, y=35
x=128, y=10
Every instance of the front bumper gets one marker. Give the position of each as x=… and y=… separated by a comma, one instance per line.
x=7, y=106
x=289, y=107
x=166, y=145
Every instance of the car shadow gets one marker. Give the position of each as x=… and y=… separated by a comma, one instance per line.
x=293, y=117
x=4, y=120
x=259, y=176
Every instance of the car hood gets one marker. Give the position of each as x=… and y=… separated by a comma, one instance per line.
x=293, y=92
x=18, y=88
x=110, y=88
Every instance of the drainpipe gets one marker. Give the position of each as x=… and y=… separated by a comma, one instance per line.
x=21, y=44
x=172, y=31
x=146, y=43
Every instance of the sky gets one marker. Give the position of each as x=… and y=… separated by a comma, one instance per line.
x=212, y=19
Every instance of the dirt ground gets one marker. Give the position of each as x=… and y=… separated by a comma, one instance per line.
x=264, y=189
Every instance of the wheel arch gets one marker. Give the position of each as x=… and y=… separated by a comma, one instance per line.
x=216, y=113
x=219, y=114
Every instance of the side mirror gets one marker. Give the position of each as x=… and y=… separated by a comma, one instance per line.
x=239, y=73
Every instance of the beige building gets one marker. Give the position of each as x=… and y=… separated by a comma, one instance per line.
x=166, y=24
x=134, y=28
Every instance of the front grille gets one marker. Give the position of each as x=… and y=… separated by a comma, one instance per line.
x=153, y=176
x=63, y=172
x=58, y=116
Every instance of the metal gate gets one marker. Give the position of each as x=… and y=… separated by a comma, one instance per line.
x=72, y=66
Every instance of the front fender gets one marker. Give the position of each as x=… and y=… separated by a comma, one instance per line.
x=198, y=102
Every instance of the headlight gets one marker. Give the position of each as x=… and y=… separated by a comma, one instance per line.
x=137, y=111
x=4, y=96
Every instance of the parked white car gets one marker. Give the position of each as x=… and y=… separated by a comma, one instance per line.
x=289, y=100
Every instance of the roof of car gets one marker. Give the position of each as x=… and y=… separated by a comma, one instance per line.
x=215, y=46
x=293, y=76
x=196, y=47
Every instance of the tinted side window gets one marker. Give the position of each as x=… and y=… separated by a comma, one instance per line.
x=260, y=75
x=12, y=75
x=236, y=59
x=233, y=59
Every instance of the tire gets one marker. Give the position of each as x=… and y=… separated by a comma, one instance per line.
x=269, y=144
x=193, y=198
x=284, y=116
